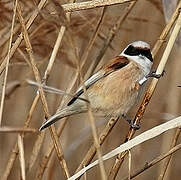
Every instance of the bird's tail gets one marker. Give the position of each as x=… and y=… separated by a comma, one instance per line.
x=68, y=111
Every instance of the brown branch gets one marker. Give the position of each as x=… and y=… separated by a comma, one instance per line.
x=94, y=36
x=120, y=158
x=10, y=163
x=101, y=35
x=21, y=156
x=14, y=152
x=168, y=159
x=54, y=136
x=48, y=153
x=89, y=112
x=92, y=4
x=5, y=74
x=6, y=129
x=83, y=60
x=102, y=137
x=112, y=33
x=44, y=80
x=155, y=161
x=36, y=150
x=5, y=37
x=20, y=38
x=46, y=75
x=24, y=57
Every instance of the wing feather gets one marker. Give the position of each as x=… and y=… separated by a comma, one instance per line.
x=115, y=64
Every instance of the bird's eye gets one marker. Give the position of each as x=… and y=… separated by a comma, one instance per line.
x=147, y=54
x=132, y=51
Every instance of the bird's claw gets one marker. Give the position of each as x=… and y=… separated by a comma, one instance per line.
x=153, y=74
x=131, y=123
x=134, y=126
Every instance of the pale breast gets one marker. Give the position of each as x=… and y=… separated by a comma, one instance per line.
x=117, y=92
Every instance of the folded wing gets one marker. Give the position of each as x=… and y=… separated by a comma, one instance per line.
x=115, y=64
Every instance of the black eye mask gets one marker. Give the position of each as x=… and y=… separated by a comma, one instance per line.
x=132, y=51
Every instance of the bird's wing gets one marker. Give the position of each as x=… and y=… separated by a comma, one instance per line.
x=115, y=64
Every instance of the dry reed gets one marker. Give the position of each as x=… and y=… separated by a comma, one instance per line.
x=59, y=45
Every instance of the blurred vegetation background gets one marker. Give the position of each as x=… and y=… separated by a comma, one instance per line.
x=145, y=21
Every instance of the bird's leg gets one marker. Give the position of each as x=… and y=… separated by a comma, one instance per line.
x=142, y=81
x=153, y=74
x=131, y=123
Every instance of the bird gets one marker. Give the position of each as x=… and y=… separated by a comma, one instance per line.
x=115, y=87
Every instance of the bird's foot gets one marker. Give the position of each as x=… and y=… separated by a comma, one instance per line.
x=131, y=123
x=154, y=75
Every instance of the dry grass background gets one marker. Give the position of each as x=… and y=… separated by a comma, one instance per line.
x=83, y=41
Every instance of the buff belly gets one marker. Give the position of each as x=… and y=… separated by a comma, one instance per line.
x=116, y=93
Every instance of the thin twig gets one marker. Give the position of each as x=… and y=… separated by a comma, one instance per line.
x=54, y=53
x=96, y=142
x=14, y=151
x=24, y=57
x=94, y=36
x=112, y=33
x=42, y=96
x=92, y=26
x=72, y=84
x=7, y=62
x=129, y=164
x=35, y=151
x=92, y=150
x=155, y=161
x=21, y=157
x=47, y=72
x=48, y=153
x=143, y=137
x=5, y=37
x=149, y=92
x=166, y=31
x=46, y=76
x=168, y=159
x=6, y=129
x=20, y=38
x=92, y=4
x=90, y=114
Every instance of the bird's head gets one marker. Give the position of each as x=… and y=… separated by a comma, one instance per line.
x=139, y=51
